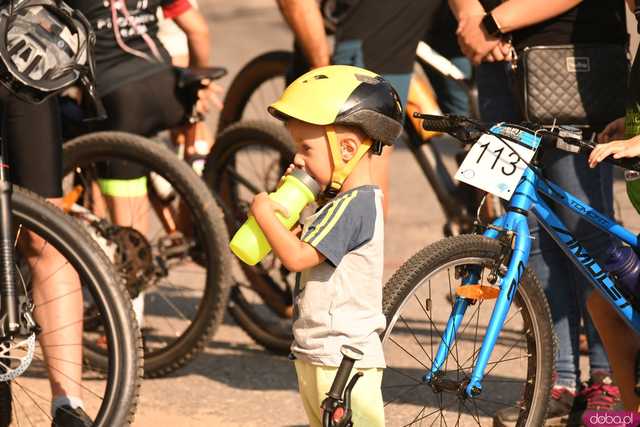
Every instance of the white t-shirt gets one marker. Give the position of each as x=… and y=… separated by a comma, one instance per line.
x=340, y=301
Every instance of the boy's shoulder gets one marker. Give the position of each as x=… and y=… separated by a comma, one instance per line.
x=344, y=224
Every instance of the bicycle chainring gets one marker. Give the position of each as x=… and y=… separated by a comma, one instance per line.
x=133, y=257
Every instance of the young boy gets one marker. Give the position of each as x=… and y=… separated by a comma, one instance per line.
x=338, y=116
x=621, y=342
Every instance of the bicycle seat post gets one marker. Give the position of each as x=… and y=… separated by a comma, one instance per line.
x=9, y=304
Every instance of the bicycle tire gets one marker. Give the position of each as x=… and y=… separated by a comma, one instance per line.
x=259, y=70
x=96, y=272
x=405, y=282
x=209, y=223
x=240, y=136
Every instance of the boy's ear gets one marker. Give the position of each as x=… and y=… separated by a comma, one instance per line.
x=348, y=148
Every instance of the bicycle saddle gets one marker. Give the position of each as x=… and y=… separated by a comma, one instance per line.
x=191, y=76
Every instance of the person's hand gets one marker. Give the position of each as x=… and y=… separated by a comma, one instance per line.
x=290, y=169
x=262, y=205
x=613, y=131
x=619, y=149
x=501, y=52
x=208, y=95
x=474, y=41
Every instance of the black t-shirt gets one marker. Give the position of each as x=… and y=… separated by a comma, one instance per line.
x=388, y=29
x=592, y=21
x=115, y=66
x=441, y=30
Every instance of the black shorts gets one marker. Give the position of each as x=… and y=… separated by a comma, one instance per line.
x=142, y=107
x=34, y=144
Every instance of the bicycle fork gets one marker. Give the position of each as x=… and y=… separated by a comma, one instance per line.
x=8, y=296
x=514, y=222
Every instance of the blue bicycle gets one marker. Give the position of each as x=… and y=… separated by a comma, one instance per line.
x=469, y=328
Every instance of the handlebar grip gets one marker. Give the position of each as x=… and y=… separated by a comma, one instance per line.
x=340, y=381
x=438, y=123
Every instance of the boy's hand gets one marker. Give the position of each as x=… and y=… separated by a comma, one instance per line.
x=614, y=131
x=262, y=204
x=290, y=169
x=619, y=149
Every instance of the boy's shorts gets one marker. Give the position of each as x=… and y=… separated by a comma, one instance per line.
x=315, y=381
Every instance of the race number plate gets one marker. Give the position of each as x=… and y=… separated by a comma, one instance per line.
x=493, y=165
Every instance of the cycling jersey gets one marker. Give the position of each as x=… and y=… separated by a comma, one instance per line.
x=134, y=51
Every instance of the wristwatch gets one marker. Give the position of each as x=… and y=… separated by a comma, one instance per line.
x=491, y=26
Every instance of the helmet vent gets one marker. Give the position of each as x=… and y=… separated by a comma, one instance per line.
x=367, y=79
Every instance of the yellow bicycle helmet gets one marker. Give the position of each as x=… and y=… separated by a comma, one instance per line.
x=349, y=96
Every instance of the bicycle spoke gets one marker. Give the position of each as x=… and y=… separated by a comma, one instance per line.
x=410, y=355
x=68, y=377
x=416, y=338
x=28, y=392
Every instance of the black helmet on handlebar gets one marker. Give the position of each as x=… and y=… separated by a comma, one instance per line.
x=45, y=46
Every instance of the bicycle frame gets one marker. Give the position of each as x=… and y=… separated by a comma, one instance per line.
x=528, y=198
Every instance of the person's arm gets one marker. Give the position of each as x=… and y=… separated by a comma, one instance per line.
x=294, y=254
x=516, y=14
x=197, y=31
x=511, y=15
x=305, y=19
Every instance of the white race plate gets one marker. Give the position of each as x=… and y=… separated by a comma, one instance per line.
x=493, y=166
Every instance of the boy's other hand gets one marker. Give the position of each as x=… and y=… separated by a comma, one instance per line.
x=287, y=172
x=614, y=131
x=619, y=149
x=262, y=204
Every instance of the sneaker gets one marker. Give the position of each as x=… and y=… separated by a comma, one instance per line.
x=66, y=416
x=560, y=407
x=601, y=394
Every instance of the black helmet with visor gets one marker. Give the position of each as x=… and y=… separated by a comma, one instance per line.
x=45, y=46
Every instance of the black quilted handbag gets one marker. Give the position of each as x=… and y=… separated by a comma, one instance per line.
x=579, y=85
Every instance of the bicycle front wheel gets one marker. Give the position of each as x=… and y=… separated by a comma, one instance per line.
x=110, y=396
x=417, y=304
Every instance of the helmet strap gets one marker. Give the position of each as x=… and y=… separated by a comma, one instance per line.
x=342, y=170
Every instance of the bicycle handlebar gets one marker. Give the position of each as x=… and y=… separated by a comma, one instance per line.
x=468, y=131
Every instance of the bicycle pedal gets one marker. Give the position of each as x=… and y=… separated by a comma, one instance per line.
x=477, y=292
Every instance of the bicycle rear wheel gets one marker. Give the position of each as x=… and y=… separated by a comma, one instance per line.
x=171, y=249
x=247, y=158
x=257, y=85
x=110, y=396
x=417, y=305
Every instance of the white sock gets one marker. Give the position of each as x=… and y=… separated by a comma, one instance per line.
x=60, y=401
x=138, y=308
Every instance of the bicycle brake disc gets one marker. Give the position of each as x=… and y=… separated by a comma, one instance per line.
x=15, y=356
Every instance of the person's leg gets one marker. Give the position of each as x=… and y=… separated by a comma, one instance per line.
x=366, y=396
x=622, y=345
x=35, y=156
x=452, y=97
x=309, y=389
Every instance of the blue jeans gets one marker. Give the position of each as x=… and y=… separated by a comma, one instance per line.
x=563, y=284
x=452, y=97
